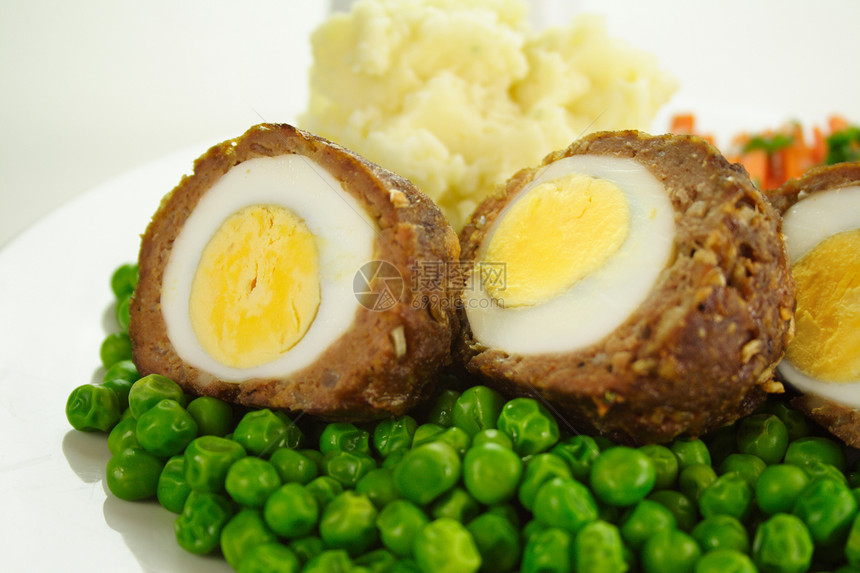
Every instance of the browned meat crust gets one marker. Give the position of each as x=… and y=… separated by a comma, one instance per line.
x=360, y=376
x=701, y=350
x=843, y=422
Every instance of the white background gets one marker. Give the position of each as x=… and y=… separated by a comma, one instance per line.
x=93, y=88
x=103, y=104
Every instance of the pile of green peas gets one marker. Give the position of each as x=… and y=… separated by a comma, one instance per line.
x=468, y=482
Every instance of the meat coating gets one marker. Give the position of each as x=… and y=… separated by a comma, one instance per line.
x=701, y=350
x=371, y=370
x=842, y=421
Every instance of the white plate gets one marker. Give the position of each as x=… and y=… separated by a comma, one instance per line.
x=55, y=310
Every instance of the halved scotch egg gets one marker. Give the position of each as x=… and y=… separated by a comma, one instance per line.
x=821, y=213
x=279, y=274
x=637, y=284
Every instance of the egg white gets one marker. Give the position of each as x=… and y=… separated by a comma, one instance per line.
x=596, y=305
x=806, y=224
x=344, y=235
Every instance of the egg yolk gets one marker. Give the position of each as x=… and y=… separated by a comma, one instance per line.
x=558, y=233
x=827, y=338
x=256, y=289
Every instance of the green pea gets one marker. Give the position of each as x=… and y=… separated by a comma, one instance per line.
x=445, y=545
x=149, y=391
x=329, y=561
x=721, y=532
x=306, y=548
x=815, y=470
x=643, y=520
x=123, y=313
x=597, y=548
x=457, y=504
x=398, y=524
x=250, y=481
x=795, y=422
x=548, y=551
x=293, y=466
x=695, y=478
x=690, y=451
x=729, y=495
x=405, y=566
x=725, y=561
x=622, y=476
x=121, y=388
x=122, y=370
x=207, y=461
x=564, y=503
x=804, y=451
x=324, y=489
x=133, y=474
x=166, y=429
x=172, y=490
x=394, y=434
x=579, y=452
x=261, y=432
x=347, y=467
x=782, y=543
x=426, y=472
x=507, y=510
x=115, y=347
x=492, y=436
x=476, y=409
x=214, y=417
x=491, y=473
x=669, y=551
x=685, y=511
x=722, y=442
x=243, y=532
x=426, y=433
x=827, y=508
x=532, y=528
x=665, y=465
x=441, y=411
x=376, y=561
x=198, y=527
x=852, y=542
x=92, y=408
x=378, y=486
x=123, y=436
x=778, y=487
x=342, y=436
x=456, y=438
x=747, y=466
x=349, y=522
x=291, y=511
x=269, y=558
x=124, y=280
x=498, y=542
x=540, y=469
x=763, y=435
x=529, y=425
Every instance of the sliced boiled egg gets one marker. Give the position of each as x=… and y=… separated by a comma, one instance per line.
x=571, y=256
x=822, y=235
x=256, y=272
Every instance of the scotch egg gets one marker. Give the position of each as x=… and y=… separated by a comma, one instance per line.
x=635, y=283
x=822, y=234
x=260, y=280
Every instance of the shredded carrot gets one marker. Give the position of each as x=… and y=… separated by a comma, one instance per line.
x=772, y=156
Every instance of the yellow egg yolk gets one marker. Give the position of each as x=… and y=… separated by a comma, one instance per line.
x=558, y=233
x=826, y=345
x=256, y=289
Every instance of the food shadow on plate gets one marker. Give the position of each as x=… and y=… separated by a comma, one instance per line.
x=147, y=529
x=87, y=454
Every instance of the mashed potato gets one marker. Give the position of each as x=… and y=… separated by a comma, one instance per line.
x=457, y=96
